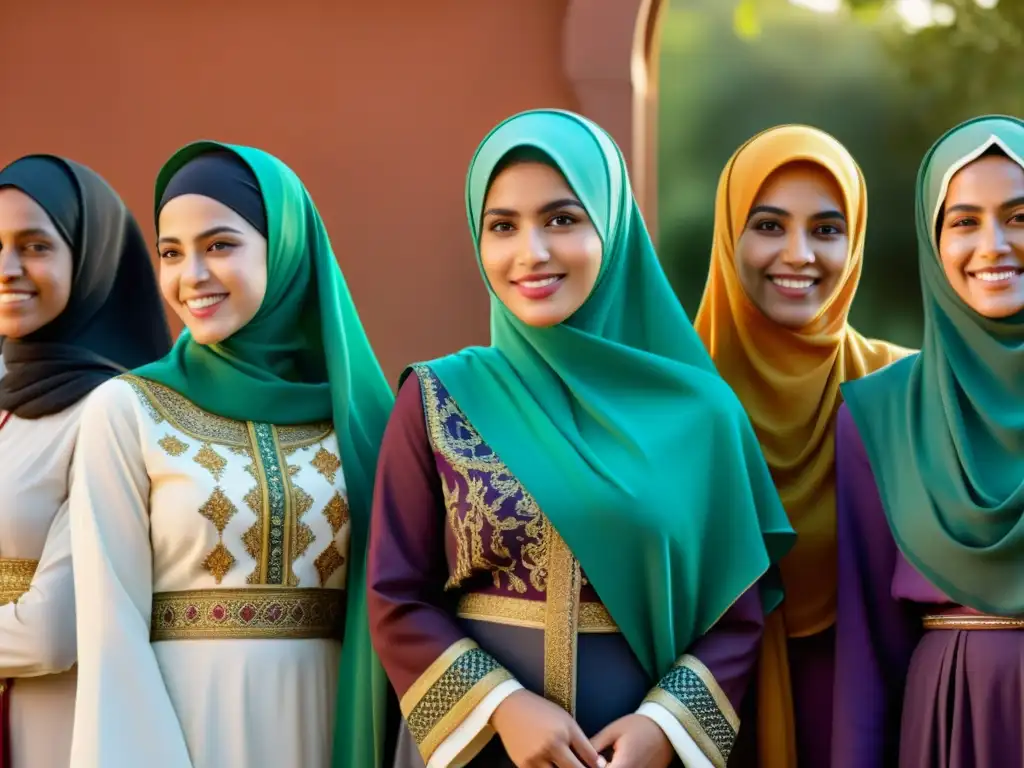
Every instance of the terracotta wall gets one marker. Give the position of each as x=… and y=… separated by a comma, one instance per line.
x=377, y=110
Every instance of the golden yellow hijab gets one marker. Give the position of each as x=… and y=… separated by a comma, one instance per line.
x=788, y=381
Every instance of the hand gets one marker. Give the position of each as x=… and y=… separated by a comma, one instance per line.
x=636, y=742
x=539, y=734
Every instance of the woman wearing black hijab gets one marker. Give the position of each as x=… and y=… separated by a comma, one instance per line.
x=79, y=304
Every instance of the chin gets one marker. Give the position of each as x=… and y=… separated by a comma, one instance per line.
x=998, y=311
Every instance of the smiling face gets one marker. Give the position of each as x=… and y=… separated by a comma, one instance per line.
x=795, y=244
x=540, y=251
x=35, y=266
x=981, y=235
x=213, y=266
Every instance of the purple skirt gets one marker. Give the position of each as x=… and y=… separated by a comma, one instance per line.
x=964, y=701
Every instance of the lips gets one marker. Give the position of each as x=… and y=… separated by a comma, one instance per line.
x=13, y=298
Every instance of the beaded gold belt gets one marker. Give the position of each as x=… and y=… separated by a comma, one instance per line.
x=254, y=612
x=15, y=578
x=518, y=612
x=971, y=621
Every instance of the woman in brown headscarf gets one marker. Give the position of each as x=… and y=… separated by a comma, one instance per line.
x=790, y=219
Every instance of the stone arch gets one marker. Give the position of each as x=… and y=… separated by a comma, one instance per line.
x=611, y=59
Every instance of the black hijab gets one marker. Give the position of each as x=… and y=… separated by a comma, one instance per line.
x=114, y=320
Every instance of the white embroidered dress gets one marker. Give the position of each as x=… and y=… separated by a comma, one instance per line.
x=211, y=568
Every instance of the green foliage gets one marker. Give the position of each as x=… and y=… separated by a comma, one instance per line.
x=718, y=89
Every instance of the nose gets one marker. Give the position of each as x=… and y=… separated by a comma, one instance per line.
x=993, y=242
x=194, y=270
x=537, y=246
x=11, y=267
x=798, y=251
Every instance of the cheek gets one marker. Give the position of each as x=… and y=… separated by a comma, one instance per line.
x=53, y=281
x=954, y=253
x=496, y=259
x=834, y=255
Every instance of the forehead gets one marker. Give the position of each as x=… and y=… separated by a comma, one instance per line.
x=800, y=182
x=990, y=179
x=525, y=182
x=186, y=215
x=19, y=211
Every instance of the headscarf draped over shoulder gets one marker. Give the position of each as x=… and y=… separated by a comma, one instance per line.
x=651, y=472
x=303, y=358
x=944, y=430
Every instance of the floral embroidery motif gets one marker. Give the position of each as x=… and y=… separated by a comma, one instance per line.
x=327, y=464
x=172, y=445
x=211, y=461
x=218, y=509
x=331, y=559
x=477, y=500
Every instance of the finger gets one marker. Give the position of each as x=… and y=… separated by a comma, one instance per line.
x=586, y=750
x=606, y=738
x=562, y=757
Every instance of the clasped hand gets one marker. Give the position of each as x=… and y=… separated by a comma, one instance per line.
x=539, y=734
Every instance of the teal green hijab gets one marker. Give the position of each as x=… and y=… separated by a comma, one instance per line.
x=944, y=429
x=616, y=421
x=303, y=358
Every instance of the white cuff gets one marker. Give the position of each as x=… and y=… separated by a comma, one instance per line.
x=686, y=748
x=473, y=733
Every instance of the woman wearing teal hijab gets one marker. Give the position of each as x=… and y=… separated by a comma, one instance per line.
x=930, y=474
x=220, y=503
x=569, y=524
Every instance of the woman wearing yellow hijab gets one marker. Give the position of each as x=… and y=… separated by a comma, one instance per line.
x=790, y=219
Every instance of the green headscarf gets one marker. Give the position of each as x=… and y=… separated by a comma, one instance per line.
x=307, y=324
x=944, y=429
x=616, y=421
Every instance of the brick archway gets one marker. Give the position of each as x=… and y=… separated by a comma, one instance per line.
x=611, y=60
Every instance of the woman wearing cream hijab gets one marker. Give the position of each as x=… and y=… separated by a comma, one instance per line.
x=790, y=219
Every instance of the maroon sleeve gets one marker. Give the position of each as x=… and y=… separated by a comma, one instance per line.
x=438, y=673
x=875, y=633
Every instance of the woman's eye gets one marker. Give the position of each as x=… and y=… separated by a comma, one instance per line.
x=768, y=226
x=501, y=226
x=563, y=220
x=220, y=246
x=37, y=247
x=828, y=230
x=168, y=254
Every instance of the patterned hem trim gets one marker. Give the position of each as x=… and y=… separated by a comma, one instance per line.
x=239, y=614
x=691, y=694
x=520, y=612
x=16, y=576
x=447, y=692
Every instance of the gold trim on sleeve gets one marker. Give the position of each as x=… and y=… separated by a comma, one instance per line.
x=445, y=694
x=239, y=614
x=692, y=695
x=531, y=614
x=16, y=576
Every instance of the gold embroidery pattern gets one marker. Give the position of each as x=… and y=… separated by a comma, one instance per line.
x=690, y=692
x=248, y=613
x=447, y=692
x=16, y=576
x=164, y=404
x=561, y=618
x=331, y=559
x=301, y=534
x=219, y=510
x=327, y=464
x=531, y=614
x=481, y=474
x=172, y=445
x=211, y=461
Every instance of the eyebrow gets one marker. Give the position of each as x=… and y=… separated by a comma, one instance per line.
x=202, y=235
x=785, y=214
x=34, y=232
x=968, y=208
x=565, y=202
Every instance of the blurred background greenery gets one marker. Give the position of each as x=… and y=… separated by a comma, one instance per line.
x=885, y=77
